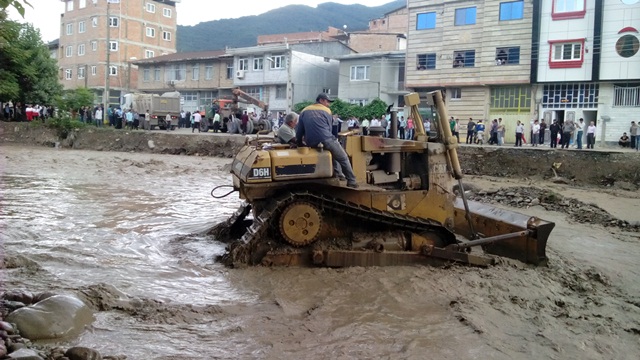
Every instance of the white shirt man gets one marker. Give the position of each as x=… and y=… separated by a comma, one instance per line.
x=375, y=122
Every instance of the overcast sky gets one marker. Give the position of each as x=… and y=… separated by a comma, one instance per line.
x=45, y=13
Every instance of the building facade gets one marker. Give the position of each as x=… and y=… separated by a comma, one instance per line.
x=589, y=66
x=281, y=75
x=200, y=77
x=479, y=52
x=365, y=77
x=99, y=39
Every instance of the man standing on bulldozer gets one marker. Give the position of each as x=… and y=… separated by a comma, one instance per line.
x=314, y=127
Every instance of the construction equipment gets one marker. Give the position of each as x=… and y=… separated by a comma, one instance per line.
x=157, y=105
x=257, y=122
x=405, y=210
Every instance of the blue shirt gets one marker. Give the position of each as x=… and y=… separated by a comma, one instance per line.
x=314, y=124
x=480, y=127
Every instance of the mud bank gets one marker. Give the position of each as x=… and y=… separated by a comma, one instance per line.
x=602, y=167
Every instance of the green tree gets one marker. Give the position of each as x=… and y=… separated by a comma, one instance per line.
x=300, y=106
x=73, y=100
x=17, y=4
x=344, y=110
x=28, y=74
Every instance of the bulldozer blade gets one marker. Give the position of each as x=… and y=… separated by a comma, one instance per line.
x=490, y=221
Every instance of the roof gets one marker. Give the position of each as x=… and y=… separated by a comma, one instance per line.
x=184, y=56
x=387, y=54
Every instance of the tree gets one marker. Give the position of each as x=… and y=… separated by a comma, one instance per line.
x=344, y=110
x=72, y=100
x=28, y=74
x=4, y=4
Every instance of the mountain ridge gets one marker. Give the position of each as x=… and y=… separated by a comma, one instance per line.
x=244, y=31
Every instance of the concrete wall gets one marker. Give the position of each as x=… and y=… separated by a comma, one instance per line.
x=311, y=74
x=616, y=17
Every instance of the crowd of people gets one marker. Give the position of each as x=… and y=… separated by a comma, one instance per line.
x=31, y=112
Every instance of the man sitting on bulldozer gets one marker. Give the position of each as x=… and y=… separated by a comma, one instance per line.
x=314, y=128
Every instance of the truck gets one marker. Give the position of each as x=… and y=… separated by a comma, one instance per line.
x=158, y=105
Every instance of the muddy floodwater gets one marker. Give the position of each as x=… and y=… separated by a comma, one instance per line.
x=126, y=232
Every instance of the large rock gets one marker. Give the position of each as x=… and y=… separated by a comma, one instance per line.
x=82, y=353
x=25, y=354
x=56, y=317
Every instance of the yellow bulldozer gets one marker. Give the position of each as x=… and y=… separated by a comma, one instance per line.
x=409, y=208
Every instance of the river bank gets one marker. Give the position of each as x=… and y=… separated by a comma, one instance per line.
x=601, y=167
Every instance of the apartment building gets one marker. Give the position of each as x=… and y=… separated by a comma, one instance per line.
x=588, y=63
x=479, y=52
x=99, y=39
x=365, y=77
x=200, y=77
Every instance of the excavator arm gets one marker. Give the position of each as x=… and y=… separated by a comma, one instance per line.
x=239, y=94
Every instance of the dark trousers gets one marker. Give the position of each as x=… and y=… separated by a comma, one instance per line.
x=591, y=140
x=541, y=137
x=554, y=140
x=401, y=132
x=518, y=139
x=494, y=138
x=633, y=142
x=469, y=137
x=566, y=137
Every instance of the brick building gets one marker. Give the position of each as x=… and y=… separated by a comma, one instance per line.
x=99, y=39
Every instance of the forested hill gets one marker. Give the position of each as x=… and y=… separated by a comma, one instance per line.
x=244, y=31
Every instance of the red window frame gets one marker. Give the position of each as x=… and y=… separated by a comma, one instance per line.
x=566, y=64
x=568, y=14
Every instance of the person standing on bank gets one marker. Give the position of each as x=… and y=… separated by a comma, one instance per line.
x=591, y=135
x=635, y=137
x=579, y=134
x=314, y=127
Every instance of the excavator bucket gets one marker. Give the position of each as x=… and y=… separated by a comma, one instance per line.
x=488, y=221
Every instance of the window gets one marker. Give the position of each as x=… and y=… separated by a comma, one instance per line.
x=568, y=9
x=69, y=29
x=626, y=95
x=81, y=50
x=82, y=4
x=281, y=92
x=149, y=54
x=456, y=93
x=566, y=54
x=166, y=12
x=511, y=99
x=426, y=21
x=94, y=21
x=113, y=45
x=68, y=74
x=94, y=70
x=175, y=72
x=360, y=72
x=195, y=72
x=69, y=51
x=94, y=45
x=82, y=27
x=208, y=72
x=146, y=74
x=151, y=8
x=258, y=63
x=156, y=74
x=513, y=10
x=230, y=70
x=326, y=91
x=243, y=64
x=426, y=61
x=254, y=91
x=361, y=102
x=166, y=36
x=508, y=56
x=113, y=70
x=69, y=5
x=151, y=32
x=570, y=95
x=465, y=58
x=276, y=62
x=465, y=16
x=81, y=73
x=627, y=46
x=114, y=21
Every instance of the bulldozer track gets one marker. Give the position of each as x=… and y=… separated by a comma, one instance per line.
x=271, y=211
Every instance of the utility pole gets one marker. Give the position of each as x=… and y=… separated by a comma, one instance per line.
x=108, y=66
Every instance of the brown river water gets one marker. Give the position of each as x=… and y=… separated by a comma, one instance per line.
x=126, y=230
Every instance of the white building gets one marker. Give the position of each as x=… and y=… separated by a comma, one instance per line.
x=588, y=64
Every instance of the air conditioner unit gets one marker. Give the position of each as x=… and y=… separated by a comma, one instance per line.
x=240, y=74
x=171, y=82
